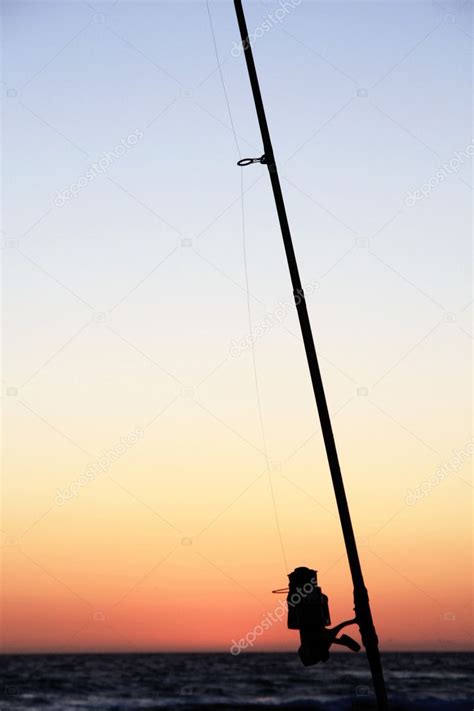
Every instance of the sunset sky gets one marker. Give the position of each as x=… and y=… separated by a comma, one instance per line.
x=142, y=507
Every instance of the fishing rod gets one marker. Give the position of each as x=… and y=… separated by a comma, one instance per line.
x=363, y=613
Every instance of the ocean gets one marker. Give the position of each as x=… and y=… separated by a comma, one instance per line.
x=192, y=682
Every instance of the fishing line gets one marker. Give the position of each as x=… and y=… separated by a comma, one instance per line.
x=247, y=289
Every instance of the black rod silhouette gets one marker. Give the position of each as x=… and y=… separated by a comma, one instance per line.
x=361, y=598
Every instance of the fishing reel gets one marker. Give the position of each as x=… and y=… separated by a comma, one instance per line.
x=308, y=612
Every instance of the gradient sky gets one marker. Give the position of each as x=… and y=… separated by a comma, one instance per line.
x=125, y=311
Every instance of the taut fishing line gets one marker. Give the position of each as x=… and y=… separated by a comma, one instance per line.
x=249, y=310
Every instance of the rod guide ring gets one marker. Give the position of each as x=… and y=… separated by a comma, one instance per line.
x=248, y=161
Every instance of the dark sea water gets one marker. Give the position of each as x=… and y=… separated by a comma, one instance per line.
x=125, y=682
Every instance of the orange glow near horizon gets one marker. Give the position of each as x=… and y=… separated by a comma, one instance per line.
x=146, y=585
